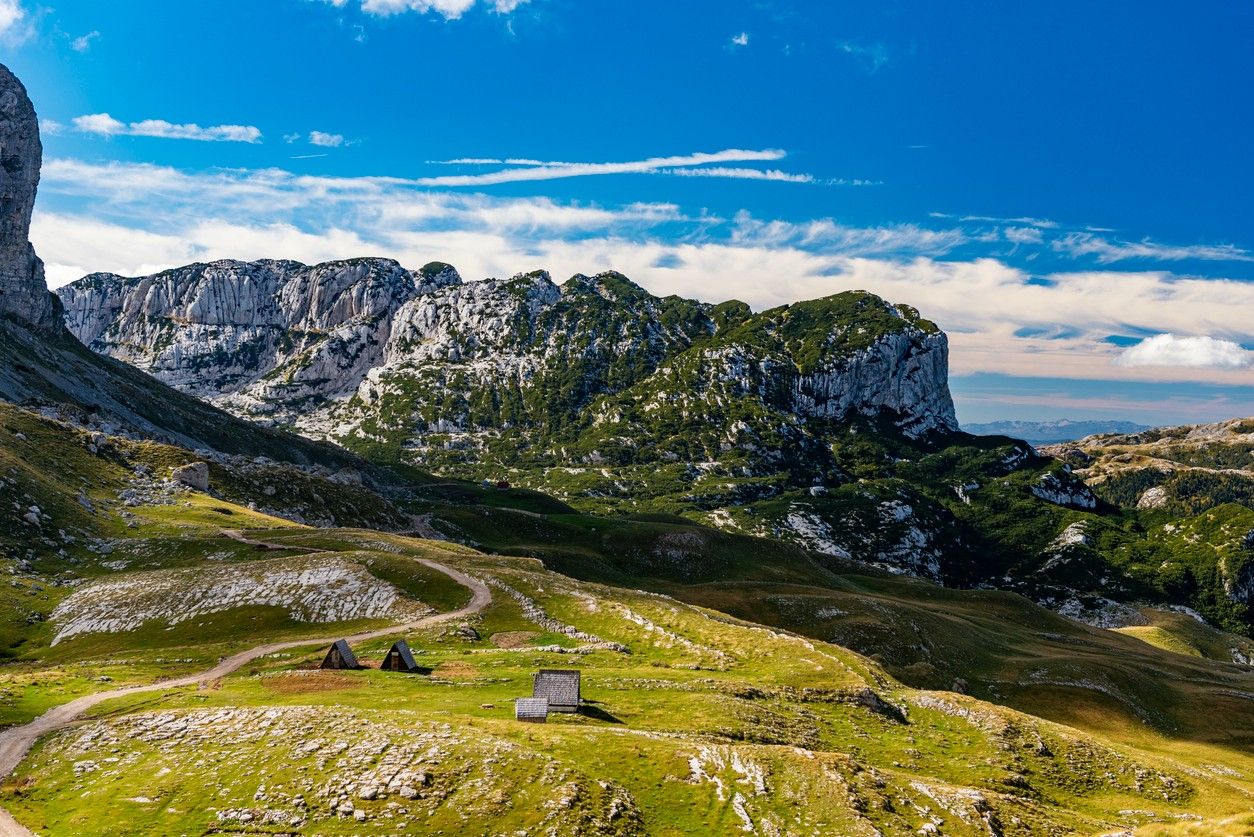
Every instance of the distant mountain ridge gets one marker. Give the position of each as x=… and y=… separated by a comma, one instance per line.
x=1052, y=432
x=826, y=423
x=330, y=348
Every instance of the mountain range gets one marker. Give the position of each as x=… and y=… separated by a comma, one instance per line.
x=1052, y=432
x=826, y=423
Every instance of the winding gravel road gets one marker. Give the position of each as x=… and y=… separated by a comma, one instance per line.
x=16, y=742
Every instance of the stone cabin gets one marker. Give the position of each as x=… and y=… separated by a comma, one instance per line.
x=533, y=710
x=560, y=687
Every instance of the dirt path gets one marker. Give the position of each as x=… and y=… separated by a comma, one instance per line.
x=238, y=535
x=16, y=742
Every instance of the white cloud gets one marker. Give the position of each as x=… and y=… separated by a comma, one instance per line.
x=83, y=42
x=325, y=140
x=105, y=125
x=742, y=174
x=469, y=161
x=448, y=9
x=830, y=236
x=1023, y=235
x=540, y=170
x=1031, y=222
x=1106, y=251
x=51, y=127
x=15, y=24
x=134, y=218
x=291, y=138
x=1192, y=352
x=740, y=40
x=99, y=123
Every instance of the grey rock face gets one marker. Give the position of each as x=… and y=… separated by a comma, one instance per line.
x=905, y=374
x=194, y=475
x=248, y=333
x=23, y=292
x=336, y=349
x=1064, y=491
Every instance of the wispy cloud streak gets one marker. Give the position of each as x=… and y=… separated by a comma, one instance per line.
x=532, y=170
x=105, y=125
x=1106, y=251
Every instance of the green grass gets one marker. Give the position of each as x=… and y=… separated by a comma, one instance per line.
x=696, y=688
x=847, y=706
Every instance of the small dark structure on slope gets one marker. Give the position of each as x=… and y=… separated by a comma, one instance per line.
x=560, y=687
x=534, y=710
x=340, y=656
x=400, y=658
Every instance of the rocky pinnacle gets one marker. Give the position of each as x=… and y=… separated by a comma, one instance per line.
x=23, y=292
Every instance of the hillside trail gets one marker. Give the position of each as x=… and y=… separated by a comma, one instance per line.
x=238, y=535
x=16, y=742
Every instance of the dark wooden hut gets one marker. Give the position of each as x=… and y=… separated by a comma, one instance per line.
x=399, y=658
x=340, y=656
x=560, y=687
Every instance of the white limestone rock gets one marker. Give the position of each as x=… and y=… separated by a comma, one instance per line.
x=194, y=475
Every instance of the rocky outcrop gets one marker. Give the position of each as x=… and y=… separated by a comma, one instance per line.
x=904, y=375
x=23, y=292
x=193, y=475
x=1062, y=489
x=263, y=331
x=338, y=347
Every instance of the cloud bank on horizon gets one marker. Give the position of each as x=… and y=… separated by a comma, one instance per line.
x=1001, y=318
x=1034, y=296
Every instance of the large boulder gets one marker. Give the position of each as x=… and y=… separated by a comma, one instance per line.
x=194, y=475
x=23, y=292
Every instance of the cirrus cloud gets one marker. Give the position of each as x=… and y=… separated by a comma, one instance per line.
x=448, y=9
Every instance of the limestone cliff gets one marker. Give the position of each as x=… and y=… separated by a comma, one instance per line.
x=364, y=347
x=23, y=292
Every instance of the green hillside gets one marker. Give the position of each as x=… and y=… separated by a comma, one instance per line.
x=846, y=715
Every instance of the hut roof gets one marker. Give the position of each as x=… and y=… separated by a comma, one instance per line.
x=347, y=657
x=531, y=709
x=401, y=647
x=559, y=686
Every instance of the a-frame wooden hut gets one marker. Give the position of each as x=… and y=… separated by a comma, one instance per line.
x=399, y=658
x=340, y=656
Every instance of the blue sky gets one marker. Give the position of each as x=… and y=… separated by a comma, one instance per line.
x=1065, y=188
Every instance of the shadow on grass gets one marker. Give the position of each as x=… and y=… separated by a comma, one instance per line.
x=597, y=713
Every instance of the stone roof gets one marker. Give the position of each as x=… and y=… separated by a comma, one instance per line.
x=559, y=686
x=531, y=709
